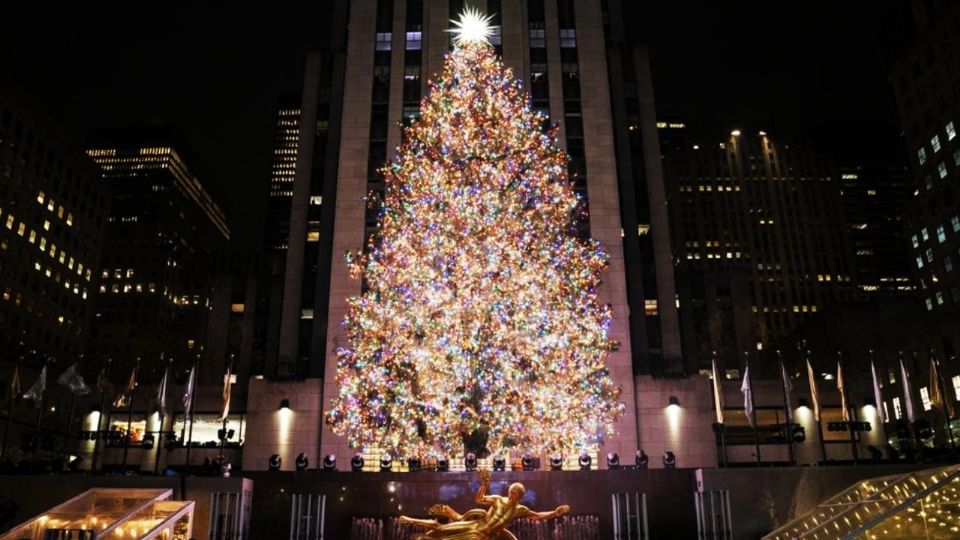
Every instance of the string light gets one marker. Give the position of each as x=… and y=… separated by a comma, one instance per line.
x=479, y=316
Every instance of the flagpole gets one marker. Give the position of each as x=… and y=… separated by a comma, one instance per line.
x=850, y=417
x=98, y=434
x=133, y=396
x=721, y=427
x=786, y=409
x=192, y=387
x=226, y=383
x=13, y=397
x=943, y=399
x=161, y=406
x=753, y=407
x=73, y=405
x=36, y=440
x=818, y=412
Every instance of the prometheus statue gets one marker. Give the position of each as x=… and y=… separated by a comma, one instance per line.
x=489, y=523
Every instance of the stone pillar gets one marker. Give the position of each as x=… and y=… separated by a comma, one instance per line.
x=286, y=432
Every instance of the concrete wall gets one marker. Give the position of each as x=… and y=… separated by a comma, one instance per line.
x=284, y=432
x=685, y=430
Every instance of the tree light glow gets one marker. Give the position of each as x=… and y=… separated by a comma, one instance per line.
x=472, y=26
x=479, y=326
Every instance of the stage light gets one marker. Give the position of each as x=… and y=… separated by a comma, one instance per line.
x=613, y=460
x=413, y=464
x=584, y=461
x=443, y=464
x=284, y=404
x=274, y=462
x=470, y=462
x=356, y=463
x=302, y=462
x=527, y=463
x=386, y=463
x=147, y=442
x=642, y=460
x=798, y=433
x=499, y=463
x=556, y=463
x=802, y=403
x=669, y=460
x=735, y=133
x=330, y=462
x=673, y=402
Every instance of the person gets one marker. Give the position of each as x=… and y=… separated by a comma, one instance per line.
x=488, y=523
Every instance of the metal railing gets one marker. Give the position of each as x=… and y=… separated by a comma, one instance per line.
x=714, y=520
x=307, y=515
x=630, y=516
x=226, y=516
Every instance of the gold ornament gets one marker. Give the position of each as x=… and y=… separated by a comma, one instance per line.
x=489, y=523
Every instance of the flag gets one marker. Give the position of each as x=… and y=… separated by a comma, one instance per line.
x=747, y=396
x=907, y=398
x=188, y=393
x=125, y=398
x=717, y=393
x=35, y=393
x=843, y=393
x=162, y=392
x=877, y=396
x=937, y=397
x=787, y=388
x=226, y=395
x=103, y=382
x=15, y=382
x=72, y=379
x=814, y=393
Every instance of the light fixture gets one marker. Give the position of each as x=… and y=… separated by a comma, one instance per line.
x=556, y=462
x=148, y=441
x=584, y=461
x=802, y=403
x=274, y=462
x=613, y=460
x=735, y=133
x=470, y=462
x=356, y=463
x=763, y=133
x=330, y=462
x=302, y=462
x=386, y=463
x=673, y=402
x=527, y=463
x=499, y=463
x=642, y=460
x=669, y=460
x=443, y=464
x=413, y=464
x=284, y=404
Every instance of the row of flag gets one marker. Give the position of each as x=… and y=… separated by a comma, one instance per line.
x=937, y=395
x=73, y=380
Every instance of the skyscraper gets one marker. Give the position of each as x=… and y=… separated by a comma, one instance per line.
x=282, y=168
x=759, y=235
x=155, y=284
x=578, y=68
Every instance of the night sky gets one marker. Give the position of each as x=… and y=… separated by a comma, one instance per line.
x=217, y=73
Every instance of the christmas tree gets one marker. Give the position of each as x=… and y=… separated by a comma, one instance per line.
x=479, y=328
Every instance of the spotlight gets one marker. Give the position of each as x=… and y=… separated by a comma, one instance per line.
x=273, y=463
x=284, y=404
x=499, y=463
x=356, y=463
x=302, y=462
x=613, y=460
x=386, y=463
x=673, y=402
x=225, y=434
x=642, y=460
x=802, y=403
x=527, y=463
x=471, y=462
x=443, y=464
x=147, y=442
x=330, y=462
x=413, y=464
x=669, y=460
x=584, y=461
x=798, y=433
x=556, y=463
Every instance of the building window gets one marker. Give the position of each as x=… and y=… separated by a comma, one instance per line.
x=919, y=262
x=939, y=298
x=886, y=411
x=955, y=223
x=956, y=157
x=915, y=241
x=935, y=143
x=924, y=234
x=897, y=411
x=306, y=314
x=384, y=40
x=922, y=155
x=568, y=38
x=929, y=303
x=955, y=294
x=929, y=254
x=947, y=263
x=951, y=131
x=941, y=234
x=316, y=200
x=942, y=170
x=237, y=308
x=956, y=386
x=414, y=41
x=925, y=398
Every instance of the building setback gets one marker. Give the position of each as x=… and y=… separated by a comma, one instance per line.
x=155, y=289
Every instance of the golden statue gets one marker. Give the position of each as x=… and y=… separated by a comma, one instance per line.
x=481, y=524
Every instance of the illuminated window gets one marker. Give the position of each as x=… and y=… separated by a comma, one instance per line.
x=40, y=197
x=316, y=200
x=384, y=41
x=955, y=223
x=129, y=273
x=922, y=155
x=942, y=170
x=10, y=222
x=955, y=380
x=897, y=411
x=414, y=41
x=313, y=236
x=935, y=143
x=60, y=212
x=306, y=313
x=956, y=157
x=50, y=204
x=21, y=229
x=69, y=219
x=951, y=131
x=915, y=241
x=929, y=254
x=236, y=308
x=46, y=225
x=925, y=399
x=939, y=296
x=43, y=243
x=871, y=192
x=929, y=304
x=33, y=237
x=650, y=307
x=941, y=234
x=947, y=263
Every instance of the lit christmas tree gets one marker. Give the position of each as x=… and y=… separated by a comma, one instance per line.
x=479, y=326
